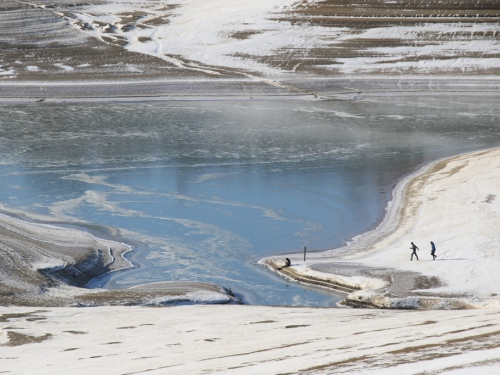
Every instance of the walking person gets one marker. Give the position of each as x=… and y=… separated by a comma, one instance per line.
x=414, y=248
x=433, y=251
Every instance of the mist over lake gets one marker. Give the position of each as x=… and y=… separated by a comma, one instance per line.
x=208, y=188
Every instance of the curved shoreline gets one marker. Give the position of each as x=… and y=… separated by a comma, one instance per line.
x=356, y=268
x=314, y=272
x=366, y=286
x=43, y=264
x=354, y=245
x=117, y=261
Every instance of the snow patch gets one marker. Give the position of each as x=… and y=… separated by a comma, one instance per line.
x=64, y=67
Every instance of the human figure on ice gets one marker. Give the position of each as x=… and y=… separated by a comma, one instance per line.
x=433, y=251
x=288, y=263
x=414, y=248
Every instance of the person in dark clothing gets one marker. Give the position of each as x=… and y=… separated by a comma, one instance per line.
x=433, y=251
x=414, y=248
x=288, y=263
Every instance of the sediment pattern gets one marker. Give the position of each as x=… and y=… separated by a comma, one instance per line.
x=403, y=36
x=38, y=259
x=47, y=265
x=266, y=39
x=38, y=43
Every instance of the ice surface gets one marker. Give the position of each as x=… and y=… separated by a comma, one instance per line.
x=210, y=187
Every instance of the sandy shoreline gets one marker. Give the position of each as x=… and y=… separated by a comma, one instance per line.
x=432, y=204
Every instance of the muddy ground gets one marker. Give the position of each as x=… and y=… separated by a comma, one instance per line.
x=39, y=43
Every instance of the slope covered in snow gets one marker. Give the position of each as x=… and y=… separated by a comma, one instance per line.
x=248, y=340
x=271, y=39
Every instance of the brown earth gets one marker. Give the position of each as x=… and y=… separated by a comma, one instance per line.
x=38, y=44
x=360, y=16
x=41, y=37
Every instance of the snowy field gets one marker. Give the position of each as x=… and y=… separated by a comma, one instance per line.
x=248, y=340
x=261, y=40
x=247, y=36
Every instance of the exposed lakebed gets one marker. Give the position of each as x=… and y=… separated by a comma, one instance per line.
x=209, y=187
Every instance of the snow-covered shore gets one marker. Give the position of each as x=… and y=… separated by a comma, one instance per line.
x=234, y=339
x=269, y=340
x=451, y=202
x=42, y=264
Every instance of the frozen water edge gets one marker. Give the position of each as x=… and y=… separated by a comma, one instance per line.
x=434, y=203
x=249, y=339
x=247, y=89
x=44, y=264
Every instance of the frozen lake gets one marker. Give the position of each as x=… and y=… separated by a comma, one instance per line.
x=207, y=188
